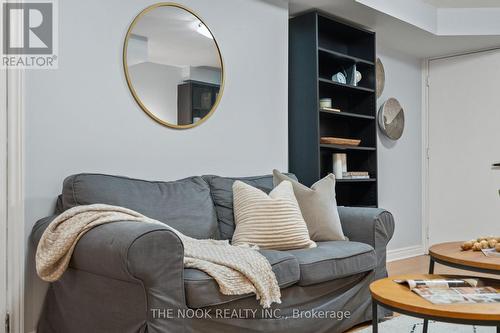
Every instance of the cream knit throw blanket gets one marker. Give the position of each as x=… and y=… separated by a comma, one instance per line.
x=237, y=270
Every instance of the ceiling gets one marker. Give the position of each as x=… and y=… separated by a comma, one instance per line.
x=397, y=33
x=463, y=3
x=172, y=39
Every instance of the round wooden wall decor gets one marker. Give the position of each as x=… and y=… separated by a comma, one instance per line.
x=391, y=119
x=380, y=77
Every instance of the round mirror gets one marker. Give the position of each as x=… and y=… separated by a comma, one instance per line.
x=173, y=65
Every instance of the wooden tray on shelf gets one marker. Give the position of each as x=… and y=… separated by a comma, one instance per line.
x=329, y=140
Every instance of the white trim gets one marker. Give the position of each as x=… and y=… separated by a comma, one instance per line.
x=425, y=154
x=451, y=55
x=405, y=252
x=16, y=257
x=3, y=192
x=3, y=196
x=15, y=199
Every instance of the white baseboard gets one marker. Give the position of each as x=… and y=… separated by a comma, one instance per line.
x=405, y=252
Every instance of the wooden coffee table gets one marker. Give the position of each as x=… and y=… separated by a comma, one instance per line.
x=399, y=298
x=450, y=254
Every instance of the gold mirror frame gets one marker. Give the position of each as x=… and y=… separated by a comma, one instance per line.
x=127, y=74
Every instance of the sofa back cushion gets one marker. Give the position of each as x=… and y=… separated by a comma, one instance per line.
x=222, y=194
x=185, y=204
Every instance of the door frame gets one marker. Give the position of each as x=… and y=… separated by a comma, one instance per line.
x=12, y=224
x=426, y=81
x=16, y=235
x=425, y=154
x=3, y=198
x=12, y=200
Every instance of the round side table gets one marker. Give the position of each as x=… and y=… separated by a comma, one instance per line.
x=401, y=299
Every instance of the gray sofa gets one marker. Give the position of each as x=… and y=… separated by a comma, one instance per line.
x=129, y=277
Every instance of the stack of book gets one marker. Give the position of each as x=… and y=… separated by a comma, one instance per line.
x=356, y=175
x=340, y=168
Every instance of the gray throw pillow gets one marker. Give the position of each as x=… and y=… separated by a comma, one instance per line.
x=318, y=206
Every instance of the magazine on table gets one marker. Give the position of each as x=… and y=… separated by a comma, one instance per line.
x=452, y=291
x=491, y=253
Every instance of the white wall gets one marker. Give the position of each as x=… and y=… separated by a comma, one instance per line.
x=399, y=162
x=156, y=85
x=82, y=117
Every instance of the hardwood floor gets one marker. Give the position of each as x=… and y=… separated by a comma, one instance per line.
x=415, y=265
x=419, y=265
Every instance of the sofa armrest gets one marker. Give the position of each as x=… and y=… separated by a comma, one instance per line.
x=374, y=226
x=142, y=253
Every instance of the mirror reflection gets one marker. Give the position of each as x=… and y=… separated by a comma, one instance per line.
x=173, y=65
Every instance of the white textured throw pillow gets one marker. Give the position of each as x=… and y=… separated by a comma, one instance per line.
x=318, y=206
x=271, y=221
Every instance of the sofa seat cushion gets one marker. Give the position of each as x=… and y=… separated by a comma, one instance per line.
x=333, y=260
x=202, y=290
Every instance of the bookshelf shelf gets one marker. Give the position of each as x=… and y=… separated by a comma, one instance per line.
x=346, y=86
x=346, y=147
x=346, y=114
x=345, y=57
x=356, y=180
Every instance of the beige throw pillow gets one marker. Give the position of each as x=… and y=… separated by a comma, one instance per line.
x=318, y=206
x=271, y=221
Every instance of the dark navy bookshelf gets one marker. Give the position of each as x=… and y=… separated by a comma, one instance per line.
x=320, y=46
